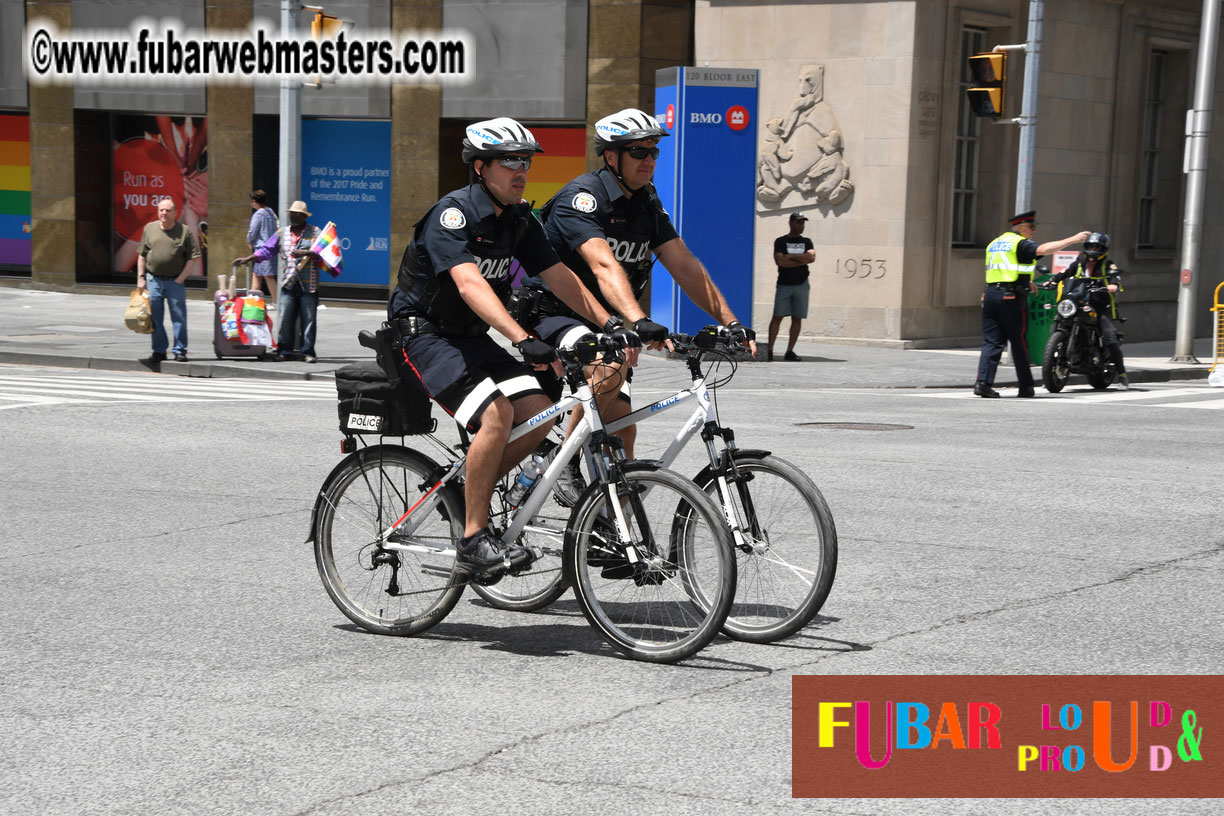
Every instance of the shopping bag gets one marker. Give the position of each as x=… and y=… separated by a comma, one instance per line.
x=253, y=309
x=137, y=316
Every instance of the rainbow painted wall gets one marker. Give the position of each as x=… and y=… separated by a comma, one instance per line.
x=563, y=159
x=15, y=189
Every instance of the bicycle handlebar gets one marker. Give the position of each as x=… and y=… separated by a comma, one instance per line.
x=591, y=347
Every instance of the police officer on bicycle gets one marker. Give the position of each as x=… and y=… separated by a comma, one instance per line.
x=605, y=226
x=453, y=282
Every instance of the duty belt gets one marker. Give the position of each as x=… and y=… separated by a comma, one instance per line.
x=1019, y=288
x=414, y=326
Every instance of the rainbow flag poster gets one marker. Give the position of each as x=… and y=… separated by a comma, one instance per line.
x=563, y=159
x=327, y=247
x=15, y=244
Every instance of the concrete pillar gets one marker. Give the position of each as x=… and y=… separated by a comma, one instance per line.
x=415, y=152
x=52, y=173
x=230, y=150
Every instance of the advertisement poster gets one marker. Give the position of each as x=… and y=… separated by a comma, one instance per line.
x=14, y=190
x=158, y=156
x=346, y=176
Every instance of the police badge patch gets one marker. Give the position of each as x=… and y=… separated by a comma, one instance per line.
x=452, y=218
x=584, y=202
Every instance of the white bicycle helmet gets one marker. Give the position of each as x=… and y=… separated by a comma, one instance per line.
x=495, y=137
x=624, y=127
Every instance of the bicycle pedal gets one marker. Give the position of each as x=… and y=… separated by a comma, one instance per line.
x=522, y=560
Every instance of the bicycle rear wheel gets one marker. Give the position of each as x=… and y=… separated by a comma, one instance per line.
x=400, y=584
x=638, y=592
x=786, y=564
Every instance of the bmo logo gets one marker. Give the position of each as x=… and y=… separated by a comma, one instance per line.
x=669, y=119
x=737, y=117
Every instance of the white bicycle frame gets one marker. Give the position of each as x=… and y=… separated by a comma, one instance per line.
x=590, y=424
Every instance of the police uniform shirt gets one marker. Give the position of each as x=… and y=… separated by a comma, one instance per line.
x=594, y=206
x=786, y=245
x=1026, y=251
x=463, y=227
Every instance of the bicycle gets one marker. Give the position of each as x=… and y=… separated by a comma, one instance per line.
x=783, y=531
x=386, y=520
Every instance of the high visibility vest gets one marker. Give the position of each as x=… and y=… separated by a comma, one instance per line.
x=1002, y=265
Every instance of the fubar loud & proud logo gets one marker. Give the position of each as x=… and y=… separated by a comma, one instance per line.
x=1007, y=736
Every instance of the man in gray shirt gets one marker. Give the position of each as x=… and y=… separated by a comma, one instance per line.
x=168, y=254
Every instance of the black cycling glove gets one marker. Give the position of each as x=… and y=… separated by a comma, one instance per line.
x=650, y=331
x=740, y=333
x=535, y=351
x=626, y=337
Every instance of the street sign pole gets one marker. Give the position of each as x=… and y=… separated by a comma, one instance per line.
x=1198, y=129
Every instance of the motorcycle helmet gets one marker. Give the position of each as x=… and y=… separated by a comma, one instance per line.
x=496, y=137
x=624, y=127
x=1097, y=245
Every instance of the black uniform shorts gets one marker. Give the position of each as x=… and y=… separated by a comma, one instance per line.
x=556, y=331
x=465, y=374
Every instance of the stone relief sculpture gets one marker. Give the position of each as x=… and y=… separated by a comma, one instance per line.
x=803, y=150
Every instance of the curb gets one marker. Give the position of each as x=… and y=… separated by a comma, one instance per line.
x=170, y=367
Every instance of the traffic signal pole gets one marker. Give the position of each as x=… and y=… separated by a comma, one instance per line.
x=289, y=175
x=1028, y=108
x=1198, y=128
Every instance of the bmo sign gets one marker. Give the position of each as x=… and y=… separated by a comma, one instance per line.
x=714, y=111
x=736, y=117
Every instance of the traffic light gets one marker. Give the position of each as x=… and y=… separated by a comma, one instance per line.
x=326, y=27
x=989, y=89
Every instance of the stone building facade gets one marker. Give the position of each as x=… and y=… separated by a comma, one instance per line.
x=900, y=259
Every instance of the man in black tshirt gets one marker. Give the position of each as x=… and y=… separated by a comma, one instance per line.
x=453, y=283
x=792, y=253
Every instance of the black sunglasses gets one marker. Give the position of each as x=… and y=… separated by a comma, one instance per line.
x=642, y=152
x=514, y=163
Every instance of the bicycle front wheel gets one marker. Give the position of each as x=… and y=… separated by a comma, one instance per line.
x=397, y=584
x=786, y=556
x=637, y=590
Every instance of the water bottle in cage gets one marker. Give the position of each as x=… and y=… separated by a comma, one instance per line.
x=526, y=478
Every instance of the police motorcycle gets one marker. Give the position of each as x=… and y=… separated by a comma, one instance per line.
x=1076, y=345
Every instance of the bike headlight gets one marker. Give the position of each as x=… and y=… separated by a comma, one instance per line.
x=1066, y=308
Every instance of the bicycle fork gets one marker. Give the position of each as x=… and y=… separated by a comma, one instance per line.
x=726, y=474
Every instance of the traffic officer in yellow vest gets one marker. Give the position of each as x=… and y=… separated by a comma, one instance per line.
x=1010, y=260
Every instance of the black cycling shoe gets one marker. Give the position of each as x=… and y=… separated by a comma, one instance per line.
x=481, y=552
x=484, y=555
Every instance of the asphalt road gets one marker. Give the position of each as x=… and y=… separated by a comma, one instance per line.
x=168, y=648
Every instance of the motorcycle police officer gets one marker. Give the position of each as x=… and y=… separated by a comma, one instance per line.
x=453, y=281
x=1010, y=260
x=605, y=226
x=1093, y=267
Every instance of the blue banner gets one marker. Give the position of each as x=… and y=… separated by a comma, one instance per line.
x=346, y=178
x=706, y=178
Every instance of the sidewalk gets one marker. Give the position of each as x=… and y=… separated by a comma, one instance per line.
x=86, y=331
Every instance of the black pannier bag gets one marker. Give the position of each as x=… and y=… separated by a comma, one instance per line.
x=370, y=404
